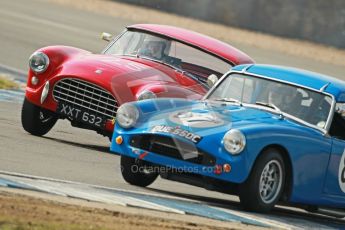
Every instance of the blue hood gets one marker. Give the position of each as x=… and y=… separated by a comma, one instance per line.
x=201, y=117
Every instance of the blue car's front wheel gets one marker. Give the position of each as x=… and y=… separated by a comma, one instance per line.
x=263, y=188
x=137, y=172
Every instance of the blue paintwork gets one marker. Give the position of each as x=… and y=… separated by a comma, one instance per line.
x=314, y=156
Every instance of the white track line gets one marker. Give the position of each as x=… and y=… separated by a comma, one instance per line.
x=95, y=186
x=67, y=189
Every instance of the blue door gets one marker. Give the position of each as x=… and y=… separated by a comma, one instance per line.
x=335, y=179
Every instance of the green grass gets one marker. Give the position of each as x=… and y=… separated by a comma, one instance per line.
x=6, y=83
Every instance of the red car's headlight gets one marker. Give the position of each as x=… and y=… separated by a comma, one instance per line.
x=39, y=62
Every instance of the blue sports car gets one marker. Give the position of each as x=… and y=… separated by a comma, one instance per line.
x=265, y=133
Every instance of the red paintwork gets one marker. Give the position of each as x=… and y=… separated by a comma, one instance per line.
x=125, y=77
x=206, y=43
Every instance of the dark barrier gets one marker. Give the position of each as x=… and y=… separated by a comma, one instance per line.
x=321, y=21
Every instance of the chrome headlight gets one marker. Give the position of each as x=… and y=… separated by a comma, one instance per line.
x=38, y=62
x=147, y=94
x=127, y=116
x=234, y=141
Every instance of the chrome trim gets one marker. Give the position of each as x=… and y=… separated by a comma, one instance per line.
x=85, y=107
x=323, y=88
x=86, y=86
x=113, y=41
x=244, y=70
x=61, y=98
x=86, y=95
x=45, y=92
x=330, y=115
x=45, y=56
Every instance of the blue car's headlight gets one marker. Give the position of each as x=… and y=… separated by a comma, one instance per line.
x=234, y=141
x=39, y=62
x=127, y=116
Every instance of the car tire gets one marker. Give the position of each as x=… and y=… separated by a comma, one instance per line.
x=35, y=120
x=265, y=184
x=132, y=175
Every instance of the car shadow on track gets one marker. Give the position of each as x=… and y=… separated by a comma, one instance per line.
x=277, y=213
x=104, y=149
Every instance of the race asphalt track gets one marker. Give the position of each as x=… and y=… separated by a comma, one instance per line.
x=73, y=154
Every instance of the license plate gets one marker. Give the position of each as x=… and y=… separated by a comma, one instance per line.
x=79, y=114
x=177, y=131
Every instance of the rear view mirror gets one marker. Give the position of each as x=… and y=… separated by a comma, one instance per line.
x=211, y=80
x=106, y=36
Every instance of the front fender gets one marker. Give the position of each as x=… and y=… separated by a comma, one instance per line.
x=57, y=56
x=308, y=150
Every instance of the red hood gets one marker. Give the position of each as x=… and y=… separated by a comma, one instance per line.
x=137, y=74
x=113, y=67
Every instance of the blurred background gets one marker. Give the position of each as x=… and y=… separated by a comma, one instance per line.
x=315, y=20
x=307, y=34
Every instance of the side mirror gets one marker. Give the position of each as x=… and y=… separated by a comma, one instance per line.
x=106, y=36
x=211, y=80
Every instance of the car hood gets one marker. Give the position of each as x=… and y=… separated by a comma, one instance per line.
x=108, y=67
x=126, y=77
x=203, y=118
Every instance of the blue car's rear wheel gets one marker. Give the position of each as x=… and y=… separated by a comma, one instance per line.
x=137, y=172
x=263, y=188
x=36, y=120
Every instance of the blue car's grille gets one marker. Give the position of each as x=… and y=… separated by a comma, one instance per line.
x=173, y=148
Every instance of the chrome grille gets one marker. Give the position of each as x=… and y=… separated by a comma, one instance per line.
x=86, y=95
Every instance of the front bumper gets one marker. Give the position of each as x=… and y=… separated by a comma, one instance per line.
x=81, y=94
x=215, y=166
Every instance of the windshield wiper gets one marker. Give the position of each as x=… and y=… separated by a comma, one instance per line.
x=188, y=74
x=231, y=100
x=270, y=105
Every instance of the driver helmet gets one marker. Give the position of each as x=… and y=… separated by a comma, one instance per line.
x=282, y=95
x=153, y=47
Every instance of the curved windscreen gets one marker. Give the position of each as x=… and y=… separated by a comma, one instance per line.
x=308, y=105
x=168, y=51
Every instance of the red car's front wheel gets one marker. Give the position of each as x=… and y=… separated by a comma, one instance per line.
x=35, y=120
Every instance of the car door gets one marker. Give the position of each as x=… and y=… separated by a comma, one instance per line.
x=335, y=178
x=334, y=185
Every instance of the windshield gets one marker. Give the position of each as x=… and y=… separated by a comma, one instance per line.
x=170, y=52
x=310, y=106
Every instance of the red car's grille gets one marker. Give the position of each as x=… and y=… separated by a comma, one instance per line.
x=86, y=95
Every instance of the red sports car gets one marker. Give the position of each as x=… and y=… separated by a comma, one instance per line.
x=145, y=61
